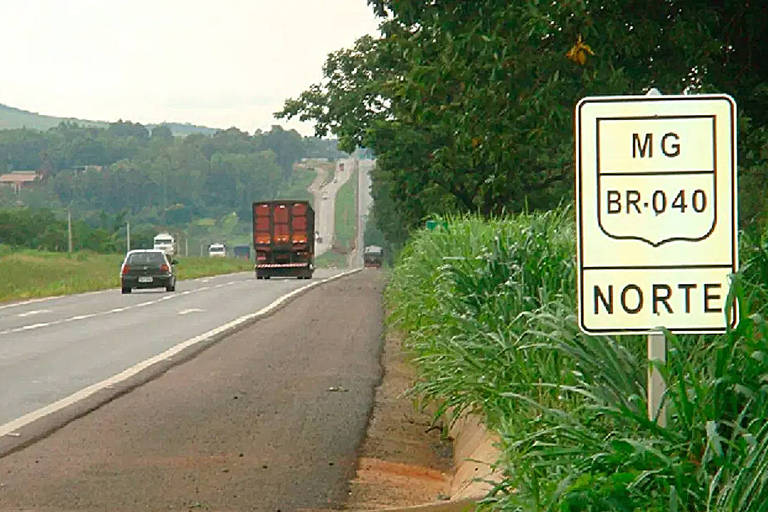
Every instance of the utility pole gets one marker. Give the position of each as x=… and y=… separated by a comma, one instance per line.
x=127, y=236
x=69, y=230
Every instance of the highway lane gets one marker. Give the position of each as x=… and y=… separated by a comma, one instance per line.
x=53, y=347
x=268, y=418
x=325, y=209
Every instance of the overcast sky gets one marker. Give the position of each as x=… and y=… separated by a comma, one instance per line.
x=216, y=63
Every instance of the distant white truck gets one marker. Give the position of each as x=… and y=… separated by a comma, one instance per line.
x=165, y=242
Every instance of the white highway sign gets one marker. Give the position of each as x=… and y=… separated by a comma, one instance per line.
x=656, y=213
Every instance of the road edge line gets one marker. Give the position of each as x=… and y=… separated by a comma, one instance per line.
x=12, y=426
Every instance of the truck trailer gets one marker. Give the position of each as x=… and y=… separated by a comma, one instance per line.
x=284, y=239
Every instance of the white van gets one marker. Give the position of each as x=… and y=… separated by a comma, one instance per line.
x=217, y=250
x=166, y=243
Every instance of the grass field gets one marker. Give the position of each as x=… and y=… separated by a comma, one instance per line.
x=331, y=259
x=27, y=273
x=346, y=213
x=297, y=187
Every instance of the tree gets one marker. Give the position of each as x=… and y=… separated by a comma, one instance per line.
x=288, y=146
x=128, y=129
x=468, y=105
x=162, y=132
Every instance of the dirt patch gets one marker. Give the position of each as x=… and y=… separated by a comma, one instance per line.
x=405, y=459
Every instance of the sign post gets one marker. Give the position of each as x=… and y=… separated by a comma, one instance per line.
x=656, y=218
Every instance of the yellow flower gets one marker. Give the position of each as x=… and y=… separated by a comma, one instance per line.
x=578, y=52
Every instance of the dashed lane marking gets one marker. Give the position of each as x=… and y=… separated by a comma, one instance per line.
x=190, y=310
x=32, y=313
x=11, y=428
x=75, y=318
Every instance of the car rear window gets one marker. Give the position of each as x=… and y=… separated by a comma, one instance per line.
x=146, y=258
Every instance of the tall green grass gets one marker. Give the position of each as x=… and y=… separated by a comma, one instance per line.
x=489, y=311
x=27, y=273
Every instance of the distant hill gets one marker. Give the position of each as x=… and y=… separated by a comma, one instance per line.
x=11, y=118
x=183, y=129
x=16, y=118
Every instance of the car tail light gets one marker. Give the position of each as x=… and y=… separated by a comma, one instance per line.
x=163, y=268
x=125, y=269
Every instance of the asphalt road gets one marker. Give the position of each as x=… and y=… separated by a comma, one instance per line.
x=268, y=418
x=325, y=209
x=52, y=348
x=364, y=202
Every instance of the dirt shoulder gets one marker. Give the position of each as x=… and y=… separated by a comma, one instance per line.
x=404, y=459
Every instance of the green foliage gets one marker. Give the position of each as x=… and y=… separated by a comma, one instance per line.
x=154, y=179
x=297, y=186
x=468, y=105
x=373, y=235
x=41, y=229
x=345, y=215
x=490, y=314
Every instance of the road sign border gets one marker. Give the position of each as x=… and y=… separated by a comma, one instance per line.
x=734, y=320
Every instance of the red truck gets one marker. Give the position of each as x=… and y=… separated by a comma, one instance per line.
x=284, y=239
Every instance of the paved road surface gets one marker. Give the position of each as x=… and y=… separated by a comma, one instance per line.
x=266, y=419
x=52, y=348
x=325, y=209
x=364, y=203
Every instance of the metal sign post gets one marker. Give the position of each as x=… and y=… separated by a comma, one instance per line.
x=656, y=219
x=657, y=352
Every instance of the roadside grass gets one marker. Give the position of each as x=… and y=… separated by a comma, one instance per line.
x=330, y=259
x=346, y=213
x=297, y=186
x=489, y=312
x=29, y=274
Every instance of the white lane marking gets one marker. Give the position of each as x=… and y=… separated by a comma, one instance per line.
x=14, y=425
x=95, y=292
x=34, y=326
x=108, y=312
x=190, y=310
x=30, y=301
x=32, y=313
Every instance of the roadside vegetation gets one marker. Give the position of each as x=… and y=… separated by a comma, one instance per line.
x=489, y=311
x=346, y=214
x=331, y=259
x=199, y=188
x=29, y=273
x=297, y=186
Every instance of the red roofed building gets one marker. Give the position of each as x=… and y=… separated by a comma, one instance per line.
x=18, y=179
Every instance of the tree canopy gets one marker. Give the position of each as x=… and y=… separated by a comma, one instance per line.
x=154, y=177
x=468, y=106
